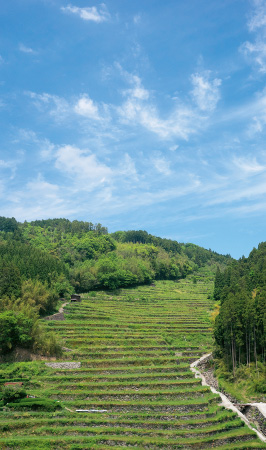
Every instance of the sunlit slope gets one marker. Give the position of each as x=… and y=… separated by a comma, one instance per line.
x=135, y=347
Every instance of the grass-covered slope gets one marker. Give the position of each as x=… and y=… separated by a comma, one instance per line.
x=134, y=347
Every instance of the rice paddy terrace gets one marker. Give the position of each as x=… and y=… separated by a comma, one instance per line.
x=134, y=348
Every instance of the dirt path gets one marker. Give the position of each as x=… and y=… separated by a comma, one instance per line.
x=59, y=315
x=225, y=400
x=61, y=310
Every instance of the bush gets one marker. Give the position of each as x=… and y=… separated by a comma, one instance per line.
x=35, y=404
x=12, y=393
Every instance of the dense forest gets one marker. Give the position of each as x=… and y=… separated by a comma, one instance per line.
x=240, y=326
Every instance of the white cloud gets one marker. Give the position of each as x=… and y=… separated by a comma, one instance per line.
x=183, y=120
x=38, y=199
x=62, y=109
x=249, y=166
x=137, y=19
x=82, y=167
x=91, y=13
x=173, y=148
x=138, y=108
x=10, y=165
x=162, y=166
x=87, y=108
x=256, y=50
x=137, y=90
x=57, y=106
x=258, y=19
x=181, y=123
x=45, y=147
x=41, y=188
x=25, y=49
x=127, y=168
x=205, y=92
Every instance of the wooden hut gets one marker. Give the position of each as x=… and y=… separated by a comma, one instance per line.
x=75, y=298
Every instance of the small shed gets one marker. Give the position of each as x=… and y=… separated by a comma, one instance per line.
x=13, y=383
x=75, y=298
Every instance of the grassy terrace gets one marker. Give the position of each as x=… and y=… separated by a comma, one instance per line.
x=135, y=347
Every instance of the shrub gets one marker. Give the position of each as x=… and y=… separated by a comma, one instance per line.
x=12, y=393
x=35, y=404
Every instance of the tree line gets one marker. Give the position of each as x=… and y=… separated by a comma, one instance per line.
x=240, y=326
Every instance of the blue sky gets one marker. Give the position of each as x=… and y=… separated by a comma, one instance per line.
x=138, y=115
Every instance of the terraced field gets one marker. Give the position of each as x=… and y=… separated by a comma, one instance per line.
x=134, y=348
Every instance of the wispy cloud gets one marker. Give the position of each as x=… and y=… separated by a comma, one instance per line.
x=139, y=108
x=38, y=198
x=30, y=138
x=183, y=120
x=10, y=166
x=205, y=91
x=127, y=168
x=162, y=165
x=60, y=108
x=82, y=167
x=137, y=19
x=56, y=106
x=258, y=18
x=23, y=48
x=90, y=13
x=256, y=50
x=249, y=166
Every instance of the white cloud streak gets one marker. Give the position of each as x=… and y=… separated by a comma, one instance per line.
x=248, y=166
x=90, y=13
x=256, y=50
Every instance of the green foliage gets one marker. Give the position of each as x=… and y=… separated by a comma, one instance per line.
x=69, y=246
x=38, y=296
x=22, y=328
x=8, y=225
x=247, y=383
x=10, y=279
x=35, y=404
x=19, y=371
x=16, y=330
x=240, y=327
x=20, y=261
x=12, y=393
x=66, y=226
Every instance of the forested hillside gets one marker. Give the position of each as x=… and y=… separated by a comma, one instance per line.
x=47, y=259
x=58, y=251
x=240, y=326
